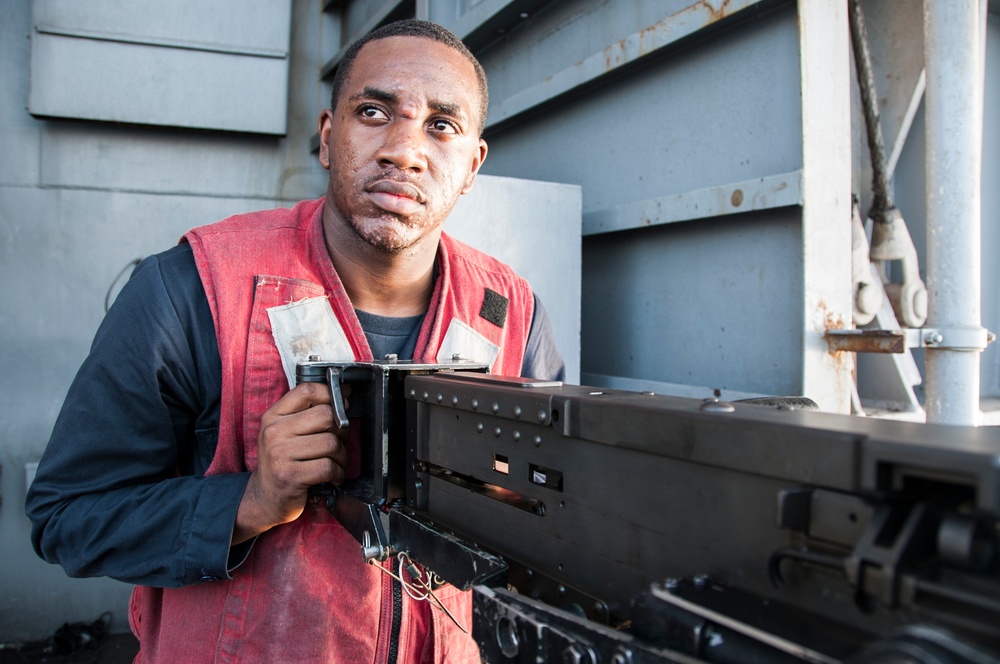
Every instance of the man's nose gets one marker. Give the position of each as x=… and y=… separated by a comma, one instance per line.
x=405, y=146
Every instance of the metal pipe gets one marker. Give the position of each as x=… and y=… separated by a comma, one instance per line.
x=954, y=116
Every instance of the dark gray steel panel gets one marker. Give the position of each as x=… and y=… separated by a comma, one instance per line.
x=716, y=303
x=224, y=68
x=141, y=84
x=724, y=111
x=234, y=25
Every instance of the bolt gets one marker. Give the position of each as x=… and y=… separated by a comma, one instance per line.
x=933, y=338
x=454, y=401
x=622, y=656
x=713, y=405
x=517, y=412
x=543, y=416
x=440, y=397
x=538, y=441
x=496, y=432
x=517, y=436
x=392, y=358
x=475, y=404
x=479, y=427
x=315, y=358
x=495, y=408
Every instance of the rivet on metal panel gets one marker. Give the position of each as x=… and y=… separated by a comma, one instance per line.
x=479, y=427
x=440, y=397
x=426, y=396
x=538, y=441
x=517, y=412
x=715, y=406
x=737, y=198
x=543, y=416
x=454, y=401
x=475, y=404
x=517, y=436
x=413, y=393
x=495, y=408
x=496, y=432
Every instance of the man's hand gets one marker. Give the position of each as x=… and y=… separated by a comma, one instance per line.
x=299, y=446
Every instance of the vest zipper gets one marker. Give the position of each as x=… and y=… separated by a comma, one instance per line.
x=397, y=621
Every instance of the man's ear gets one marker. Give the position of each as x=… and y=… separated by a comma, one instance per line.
x=477, y=163
x=325, y=128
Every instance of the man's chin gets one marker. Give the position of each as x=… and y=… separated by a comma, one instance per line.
x=388, y=239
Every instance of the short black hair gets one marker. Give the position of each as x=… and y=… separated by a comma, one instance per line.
x=412, y=28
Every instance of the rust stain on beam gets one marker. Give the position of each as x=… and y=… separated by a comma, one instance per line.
x=867, y=341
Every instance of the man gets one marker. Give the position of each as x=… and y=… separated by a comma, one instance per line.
x=183, y=455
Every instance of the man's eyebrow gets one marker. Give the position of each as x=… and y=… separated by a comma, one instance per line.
x=447, y=108
x=378, y=94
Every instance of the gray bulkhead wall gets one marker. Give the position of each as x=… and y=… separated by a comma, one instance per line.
x=714, y=302
x=78, y=202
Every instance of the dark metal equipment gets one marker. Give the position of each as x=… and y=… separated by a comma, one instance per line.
x=604, y=526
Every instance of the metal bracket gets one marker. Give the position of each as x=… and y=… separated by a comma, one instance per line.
x=976, y=338
x=899, y=341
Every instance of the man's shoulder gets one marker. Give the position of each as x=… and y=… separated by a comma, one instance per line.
x=458, y=250
x=296, y=217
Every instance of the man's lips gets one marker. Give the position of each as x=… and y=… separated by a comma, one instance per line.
x=395, y=197
x=395, y=188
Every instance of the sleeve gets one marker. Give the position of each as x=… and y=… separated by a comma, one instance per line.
x=120, y=490
x=542, y=359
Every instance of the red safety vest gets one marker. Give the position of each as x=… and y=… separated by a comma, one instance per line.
x=304, y=593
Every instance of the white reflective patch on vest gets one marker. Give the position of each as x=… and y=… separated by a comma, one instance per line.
x=306, y=328
x=463, y=340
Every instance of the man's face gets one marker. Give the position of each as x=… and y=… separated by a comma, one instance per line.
x=402, y=144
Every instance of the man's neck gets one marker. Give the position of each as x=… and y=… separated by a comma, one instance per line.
x=386, y=284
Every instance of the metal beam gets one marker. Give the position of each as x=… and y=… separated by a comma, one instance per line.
x=826, y=187
x=954, y=100
x=639, y=45
x=773, y=191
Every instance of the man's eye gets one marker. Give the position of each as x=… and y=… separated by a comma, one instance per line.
x=373, y=113
x=444, y=127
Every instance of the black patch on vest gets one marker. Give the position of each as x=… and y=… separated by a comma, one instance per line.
x=494, y=308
